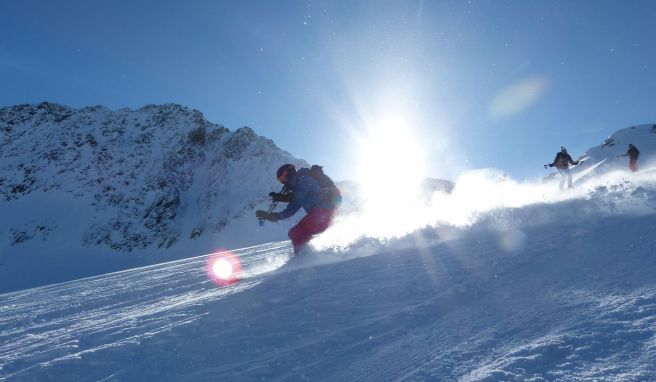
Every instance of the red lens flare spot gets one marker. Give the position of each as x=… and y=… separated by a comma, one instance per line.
x=223, y=268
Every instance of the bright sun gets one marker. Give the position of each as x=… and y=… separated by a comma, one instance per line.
x=391, y=167
x=391, y=170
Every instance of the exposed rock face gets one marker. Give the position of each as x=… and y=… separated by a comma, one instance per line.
x=145, y=176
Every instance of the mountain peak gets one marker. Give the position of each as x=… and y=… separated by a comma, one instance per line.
x=132, y=175
x=245, y=131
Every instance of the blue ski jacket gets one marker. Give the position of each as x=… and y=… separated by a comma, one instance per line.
x=308, y=194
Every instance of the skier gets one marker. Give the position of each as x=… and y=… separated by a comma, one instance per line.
x=633, y=155
x=562, y=162
x=310, y=189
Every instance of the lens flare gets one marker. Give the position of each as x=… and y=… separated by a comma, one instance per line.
x=223, y=268
x=518, y=97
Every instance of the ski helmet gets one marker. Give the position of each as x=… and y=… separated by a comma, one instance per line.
x=284, y=172
x=563, y=149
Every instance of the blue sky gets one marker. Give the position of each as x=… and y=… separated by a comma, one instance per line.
x=475, y=83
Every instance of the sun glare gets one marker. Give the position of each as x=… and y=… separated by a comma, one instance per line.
x=391, y=170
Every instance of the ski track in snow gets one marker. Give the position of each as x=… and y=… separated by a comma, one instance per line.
x=573, y=298
x=462, y=309
x=43, y=326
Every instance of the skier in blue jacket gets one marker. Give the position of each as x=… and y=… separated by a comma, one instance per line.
x=319, y=199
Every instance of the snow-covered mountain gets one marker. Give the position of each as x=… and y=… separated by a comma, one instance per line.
x=78, y=187
x=506, y=281
x=560, y=287
x=78, y=182
x=94, y=190
x=606, y=157
x=642, y=136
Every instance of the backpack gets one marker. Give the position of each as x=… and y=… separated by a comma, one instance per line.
x=327, y=185
x=562, y=160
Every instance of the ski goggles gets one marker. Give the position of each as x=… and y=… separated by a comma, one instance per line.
x=283, y=177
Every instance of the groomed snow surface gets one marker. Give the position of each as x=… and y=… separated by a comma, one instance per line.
x=559, y=289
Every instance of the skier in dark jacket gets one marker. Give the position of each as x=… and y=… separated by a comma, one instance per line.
x=320, y=201
x=562, y=162
x=633, y=155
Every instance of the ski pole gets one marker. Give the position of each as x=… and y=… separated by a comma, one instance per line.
x=274, y=203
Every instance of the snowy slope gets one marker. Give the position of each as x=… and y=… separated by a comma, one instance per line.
x=561, y=288
x=503, y=281
x=89, y=191
x=605, y=156
x=93, y=190
x=142, y=178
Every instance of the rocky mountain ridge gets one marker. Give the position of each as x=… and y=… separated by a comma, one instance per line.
x=145, y=177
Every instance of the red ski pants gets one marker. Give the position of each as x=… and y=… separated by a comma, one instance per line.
x=316, y=221
x=633, y=165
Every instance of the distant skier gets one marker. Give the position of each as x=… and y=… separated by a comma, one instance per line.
x=310, y=189
x=562, y=162
x=633, y=155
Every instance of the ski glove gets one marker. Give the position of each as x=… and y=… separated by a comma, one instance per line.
x=279, y=197
x=266, y=215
